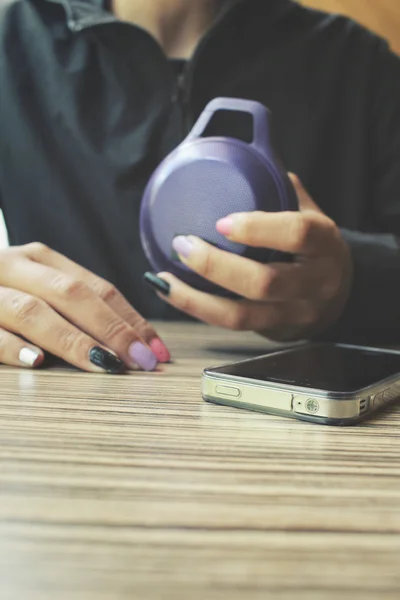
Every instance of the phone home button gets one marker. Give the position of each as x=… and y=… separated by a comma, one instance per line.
x=312, y=406
x=304, y=405
x=225, y=390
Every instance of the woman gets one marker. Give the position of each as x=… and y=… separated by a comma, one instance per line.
x=94, y=95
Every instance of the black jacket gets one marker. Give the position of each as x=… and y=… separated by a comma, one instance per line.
x=89, y=106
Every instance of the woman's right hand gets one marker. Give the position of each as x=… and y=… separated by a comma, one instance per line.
x=59, y=307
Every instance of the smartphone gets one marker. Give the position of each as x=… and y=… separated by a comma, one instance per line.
x=331, y=384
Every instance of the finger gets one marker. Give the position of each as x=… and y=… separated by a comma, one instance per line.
x=106, y=291
x=78, y=303
x=214, y=310
x=17, y=353
x=304, y=198
x=146, y=332
x=307, y=233
x=250, y=279
x=279, y=320
x=34, y=320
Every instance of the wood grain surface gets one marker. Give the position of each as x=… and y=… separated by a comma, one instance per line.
x=133, y=488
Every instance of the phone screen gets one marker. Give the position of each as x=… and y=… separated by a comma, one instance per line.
x=328, y=367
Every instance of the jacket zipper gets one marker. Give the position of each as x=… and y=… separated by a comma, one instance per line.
x=185, y=80
x=182, y=98
x=183, y=86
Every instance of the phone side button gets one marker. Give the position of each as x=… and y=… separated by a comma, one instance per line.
x=225, y=390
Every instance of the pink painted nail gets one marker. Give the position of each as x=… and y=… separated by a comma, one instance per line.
x=160, y=350
x=224, y=226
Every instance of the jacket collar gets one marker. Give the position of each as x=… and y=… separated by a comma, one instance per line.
x=82, y=14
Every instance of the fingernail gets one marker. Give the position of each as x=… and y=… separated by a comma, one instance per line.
x=143, y=356
x=160, y=350
x=182, y=246
x=224, y=226
x=28, y=356
x=105, y=360
x=157, y=283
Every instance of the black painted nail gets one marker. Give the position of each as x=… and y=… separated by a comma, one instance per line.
x=105, y=360
x=157, y=284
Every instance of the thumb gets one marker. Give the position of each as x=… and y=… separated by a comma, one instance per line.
x=304, y=198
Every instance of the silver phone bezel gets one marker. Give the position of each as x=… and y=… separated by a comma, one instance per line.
x=337, y=407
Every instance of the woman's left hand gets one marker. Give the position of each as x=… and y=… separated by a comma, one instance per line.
x=283, y=301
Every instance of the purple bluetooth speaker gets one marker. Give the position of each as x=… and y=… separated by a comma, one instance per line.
x=206, y=179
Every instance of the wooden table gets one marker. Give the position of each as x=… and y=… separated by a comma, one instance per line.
x=132, y=487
